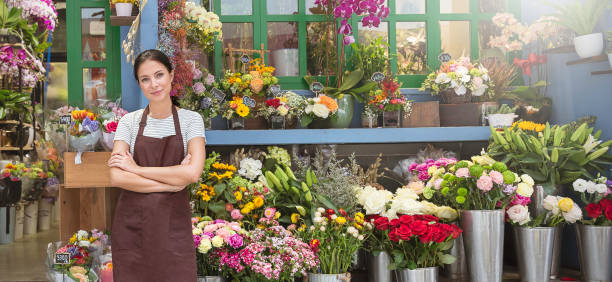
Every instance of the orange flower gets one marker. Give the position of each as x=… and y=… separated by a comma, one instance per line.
x=329, y=102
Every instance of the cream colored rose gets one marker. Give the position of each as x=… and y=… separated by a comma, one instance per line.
x=446, y=213
x=217, y=241
x=196, y=231
x=405, y=194
x=550, y=203
x=527, y=179
x=407, y=206
x=416, y=187
x=204, y=246
x=374, y=205
x=524, y=189
x=308, y=109
x=573, y=215
x=428, y=207
x=320, y=110
x=519, y=214
x=282, y=110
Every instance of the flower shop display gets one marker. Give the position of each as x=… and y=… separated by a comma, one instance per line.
x=11, y=182
x=82, y=248
x=594, y=235
x=283, y=110
x=109, y=115
x=254, y=83
x=318, y=111
x=389, y=102
x=501, y=117
x=203, y=27
x=84, y=130
x=200, y=97
x=335, y=236
x=457, y=81
x=216, y=241
x=236, y=111
x=14, y=59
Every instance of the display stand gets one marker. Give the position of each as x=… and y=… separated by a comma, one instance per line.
x=86, y=198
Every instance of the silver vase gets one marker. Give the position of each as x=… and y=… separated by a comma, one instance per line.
x=534, y=252
x=318, y=277
x=378, y=267
x=536, y=209
x=595, y=250
x=556, y=253
x=211, y=279
x=457, y=271
x=429, y=274
x=483, y=237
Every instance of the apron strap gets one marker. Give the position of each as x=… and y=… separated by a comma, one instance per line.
x=143, y=121
x=177, y=124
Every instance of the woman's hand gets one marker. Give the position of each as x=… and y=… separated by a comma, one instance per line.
x=123, y=160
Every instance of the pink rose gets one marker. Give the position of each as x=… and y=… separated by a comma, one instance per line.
x=111, y=127
x=210, y=228
x=236, y=215
x=484, y=183
x=223, y=233
x=477, y=81
x=463, y=172
x=497, y=177
x=438, y=183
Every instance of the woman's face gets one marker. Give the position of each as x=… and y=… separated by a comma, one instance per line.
x=155, y=80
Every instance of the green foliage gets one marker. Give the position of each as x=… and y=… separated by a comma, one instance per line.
x=370, y=57
x=529, y=95
x=580, y=16
x=503, y=109
x=11, y=19
x=352, y=84
x=13, y=102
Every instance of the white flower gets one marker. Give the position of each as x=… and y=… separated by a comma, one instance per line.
x=317, y=219
x=580, y=185
x=601, y=188
x=312, y=228
x=204, y=246
x=524, y=189
x=374, y=205
x=590, y=144
x=320, y=110
x=465, y=78
x=333, y=217
x=519, y=214
x=201, y=225
x=516, y=178
x=573, y=215
x=322, y=228
x=308, y=109
x=405, y=194
x=317, y=214
x=479, y=91
x=461, y=70
x=591, y=187
x=442, y=78
x=321, y=210
x=446, y=213
x=217, y=241
x=428, y=207
x=360, y=238
x=461, y=90
x=84, y=244
x=527, y=179
x=407, y=206
x=551, y=203
x=352, y=230
x=82, y=234
x=250, y=168
x=282, y=110
x=196, y=231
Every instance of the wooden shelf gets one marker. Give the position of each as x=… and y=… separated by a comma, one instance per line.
x=15, y=148
x=14, y=122
x=347, y=136
x=122, y=21
x=596, y=59
x=601, y=72
x=560, y=50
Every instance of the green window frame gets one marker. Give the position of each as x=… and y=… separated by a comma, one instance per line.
x=431, y=18
x=76, y=64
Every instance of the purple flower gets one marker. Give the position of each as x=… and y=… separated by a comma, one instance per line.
x=509, y=189
x=235, y=241
x=520, y=200
x=199, y=88
x=368, y=6
x=196, y=240
x=209, y=234
x=218, y=221
x=197, y=74
x=210, y=79
x=413, y=167
x=345, y=28
x=343, y=11
x=383, y=12
x=347, y=40
x=371, y=21
x=90, y=125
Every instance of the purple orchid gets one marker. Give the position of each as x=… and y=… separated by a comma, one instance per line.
x=345, y=28
x=347, y=40
x=371, y=21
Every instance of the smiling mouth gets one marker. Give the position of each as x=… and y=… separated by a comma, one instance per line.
x=156, y=92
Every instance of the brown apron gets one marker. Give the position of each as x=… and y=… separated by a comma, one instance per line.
x=151, y=233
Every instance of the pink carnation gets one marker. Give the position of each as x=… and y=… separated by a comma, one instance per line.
x=484, y=183
x=236, y=215
x=497, y=177
x=463, y=172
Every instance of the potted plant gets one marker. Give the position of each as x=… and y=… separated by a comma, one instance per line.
x=123, y=7
x=389, y=102
x=457, y=81
x=84, y=130
x=534, y=237
x=11, y=181
x=594, y=235
x=369, y=57
x=318, y=111
x=582, y=17
x=283, y=110
x=533, y=105
x=109, y=115
x=501, y=117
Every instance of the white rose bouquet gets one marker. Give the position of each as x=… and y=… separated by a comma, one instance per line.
x=461, y=76
x=320, y=108
x=560, y=210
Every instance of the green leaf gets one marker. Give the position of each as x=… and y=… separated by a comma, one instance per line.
x=537, y=176
x=351, y=80
x=217, y=207
x=305, y=120
x=325, y=201
x=447, y=245
x=229, y=197
x=447, y=259
x=220, y=188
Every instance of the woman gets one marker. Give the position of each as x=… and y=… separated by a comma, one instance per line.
x=151, y=232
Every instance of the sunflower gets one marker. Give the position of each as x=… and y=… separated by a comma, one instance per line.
x=242, y=110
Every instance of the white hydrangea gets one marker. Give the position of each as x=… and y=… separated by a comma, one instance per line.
x=250, y=168
x=580, y=185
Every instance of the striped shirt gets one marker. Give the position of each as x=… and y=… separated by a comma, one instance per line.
x=192, y=125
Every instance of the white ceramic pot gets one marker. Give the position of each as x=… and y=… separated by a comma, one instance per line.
x=286, y=62
x=124, y=9
x=589, y=45
x=501, y=120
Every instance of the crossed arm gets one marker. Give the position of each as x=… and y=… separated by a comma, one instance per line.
x=125, y=173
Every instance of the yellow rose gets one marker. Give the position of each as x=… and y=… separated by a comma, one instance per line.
x=340, y=220
x=242, y=188
x=217, y=241
x=238, y=195
x=258, y=202
x=295, y=217
x=565, y=204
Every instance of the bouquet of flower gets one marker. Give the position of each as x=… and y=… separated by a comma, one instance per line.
x=256, y=82
x=422, y=173
x=460, y=75
x=40, y=11
x=319, y=108
x=11, y=60
x=559, y=210
x=82, y=247
x=109, y=115
x=236, y=108
x=597, y=196
x=388, y=98
x=203, y=27
x=335, y=237
x=84, y=130
x=199, y=97
x=271, y=254
x=214, y=239
x=515, y=35
x=288, y=104
x=14, y=172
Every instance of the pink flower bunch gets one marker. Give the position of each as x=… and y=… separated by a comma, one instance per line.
x=11, y=60
x=422, y=169
x=41, y=11
x=515, y=35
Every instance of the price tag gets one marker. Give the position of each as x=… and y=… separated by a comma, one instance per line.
x=444, y=57
x=248, y=101
x=62, y=258
x=65, y=119
x=245, y=59
x=275, y=90
x=316, y=87
x=206, y=103
x=378, y=77
x=219, y=95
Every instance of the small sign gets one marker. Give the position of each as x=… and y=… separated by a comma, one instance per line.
x=219, y=95
x=65, y=119
x=97, y=27
x=378, y=76
x=316, y=87
x=206, y=103
x=245, y=59
x=275, y=90
x=444, y=57
x=248, y=101
x=62, y=258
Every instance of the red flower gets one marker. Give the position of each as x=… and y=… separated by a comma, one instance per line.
x=342, y=212
x=403, y=232
x=427, y=217
x=608, y=212
x=314, y=244
x=274, y=102
x=440, y=232
x=395, y=223
x=418, y=227
x=427, y=237
x=393, y=236
x=593, y=210
x=406, y=219
x=605, y=203
x=330, y=211
x=456, y=231
x=382, y=223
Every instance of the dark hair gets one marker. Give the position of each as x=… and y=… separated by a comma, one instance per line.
x=154, y=55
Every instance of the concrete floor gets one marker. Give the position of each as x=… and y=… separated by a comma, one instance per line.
x=24, y=260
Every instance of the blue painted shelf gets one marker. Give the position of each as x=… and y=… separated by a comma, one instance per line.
x=347, y=136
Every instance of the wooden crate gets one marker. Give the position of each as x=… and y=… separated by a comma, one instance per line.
x=424, y=114
x=467, y=114
x=86, y=199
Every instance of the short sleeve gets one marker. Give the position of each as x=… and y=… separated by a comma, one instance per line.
x=195, y=127
x=124, y=129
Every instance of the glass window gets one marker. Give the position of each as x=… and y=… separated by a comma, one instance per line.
x=320, y=51
x=57, y=89
x=369, y=34
x=283, y=46
x=492, y=6
x=411, y=41
x=454, y=6
x=455, y=38
x=282, y=7
x=486, y=29
x=314, y=9
x=236, y=7
x=94, y=85
x=93, y=36
x=236, y=36
x=410, y=6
